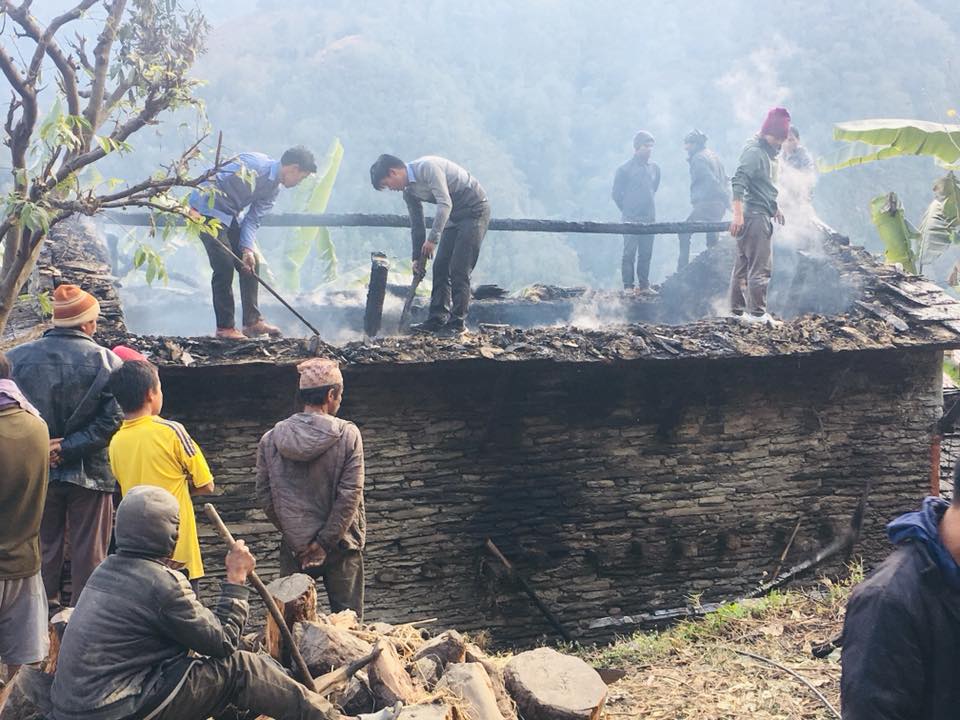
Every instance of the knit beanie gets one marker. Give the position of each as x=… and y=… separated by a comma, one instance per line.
x=319, y=372
x=777, y=123
x=642, y=138
x=73, y=307
x=128, y=353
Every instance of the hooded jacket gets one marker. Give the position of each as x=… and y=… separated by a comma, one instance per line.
x=310, y=482
x=125, y=648
x=901, y=633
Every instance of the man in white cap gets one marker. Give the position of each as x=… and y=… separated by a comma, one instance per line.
x=310, y=484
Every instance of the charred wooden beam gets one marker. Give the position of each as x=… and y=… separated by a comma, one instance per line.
x=502, y=224
x=376, y=292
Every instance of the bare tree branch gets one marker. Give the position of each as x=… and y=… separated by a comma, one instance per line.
x=79, y=46
x=21, y=132
x=46, y=44
x=101, y=58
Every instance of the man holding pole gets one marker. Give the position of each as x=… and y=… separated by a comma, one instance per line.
x=459, y=227
x=250, y=182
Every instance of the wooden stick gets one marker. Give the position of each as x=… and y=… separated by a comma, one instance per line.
x=305, y=678
x=794, y=674
x=783, y=555
x=325, y=683
x=495, y=551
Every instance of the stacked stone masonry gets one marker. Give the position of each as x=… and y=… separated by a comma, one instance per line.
x=616, y=488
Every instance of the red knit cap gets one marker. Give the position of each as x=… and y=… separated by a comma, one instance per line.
x=73, y=307
x=777, y=123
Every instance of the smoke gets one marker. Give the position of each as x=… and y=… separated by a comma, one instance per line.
x=753, y=84
x=595, y=310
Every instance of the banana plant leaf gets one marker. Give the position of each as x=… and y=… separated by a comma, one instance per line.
x=298, y=247
x=895, y=231
x=874, y=140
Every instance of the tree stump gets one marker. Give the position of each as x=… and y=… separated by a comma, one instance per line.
x=296, y=596
x=548, y=685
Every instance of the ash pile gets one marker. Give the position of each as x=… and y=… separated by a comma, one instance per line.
x=446, y=677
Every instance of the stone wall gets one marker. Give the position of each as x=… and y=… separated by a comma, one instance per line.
x=615, y=488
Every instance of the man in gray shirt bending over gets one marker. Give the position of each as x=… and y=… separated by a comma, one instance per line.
x=459, y=225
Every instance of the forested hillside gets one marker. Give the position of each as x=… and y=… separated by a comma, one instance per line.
x=540, y=100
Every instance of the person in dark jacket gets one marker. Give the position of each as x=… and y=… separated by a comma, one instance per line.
x=709, y=191
x=457, y=233
x=140, y=644
x=755, y=210
x=634, y=187
x=901, y=633
x=248, y=185
x=310, y=484
x=64, y=374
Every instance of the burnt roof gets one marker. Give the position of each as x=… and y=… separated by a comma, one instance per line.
x=894, y=310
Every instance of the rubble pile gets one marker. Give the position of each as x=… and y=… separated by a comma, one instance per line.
x=445, y=677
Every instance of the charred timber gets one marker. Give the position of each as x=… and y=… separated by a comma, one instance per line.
x=502, y=224
x=376, y=293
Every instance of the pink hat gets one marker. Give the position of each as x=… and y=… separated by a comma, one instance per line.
x=319, y=372
x=128, y=353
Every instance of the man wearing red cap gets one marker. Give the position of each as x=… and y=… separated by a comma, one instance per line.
x=754, y=211
x=310, y=484
x=64, y=374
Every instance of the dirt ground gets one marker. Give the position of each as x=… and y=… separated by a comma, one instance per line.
x=694, y=670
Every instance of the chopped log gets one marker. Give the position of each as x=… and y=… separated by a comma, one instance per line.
x=357, y=697
x=426, y=670
x=345, y=619
x=296, y=596
x=447, y=647
x=547, y=685
x=508, y=708
x=469, y=682
x=326, y=647
x=389, y=682
x=431, y=711
x=326, y=684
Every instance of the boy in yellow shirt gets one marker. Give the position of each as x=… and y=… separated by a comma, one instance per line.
x=148, y=450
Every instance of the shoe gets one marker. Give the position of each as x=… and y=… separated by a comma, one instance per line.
x=452, y=329
x=261, y=328
x=230, y=334
x=430, y=325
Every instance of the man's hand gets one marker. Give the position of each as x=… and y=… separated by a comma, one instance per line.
x=313, y=556
x=240, y=562
x=779, y=218
x=736, y=225
x=426, y=251
x=249, y=262
x=55, y=452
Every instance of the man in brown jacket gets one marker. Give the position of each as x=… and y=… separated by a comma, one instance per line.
x=24, y=459
x=310, y=484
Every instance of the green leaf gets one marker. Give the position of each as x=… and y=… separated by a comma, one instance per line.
x=139, y=256
x=297, y=247
x=894, y=230
x=880, y=139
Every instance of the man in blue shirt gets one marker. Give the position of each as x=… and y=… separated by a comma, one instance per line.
x=250, y=182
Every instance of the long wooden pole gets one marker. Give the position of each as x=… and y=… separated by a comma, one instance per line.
x=499, y=224
x=224, y=532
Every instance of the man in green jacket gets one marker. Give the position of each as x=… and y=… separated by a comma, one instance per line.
x=24, y=457
x=754, y=211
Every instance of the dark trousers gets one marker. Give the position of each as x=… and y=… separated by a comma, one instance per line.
x=701, y=212
x=751, y=272
x=250, y=683
x=88, y=516
x=342, y=575
x=456, y=257
x=222, y=281
x=637, y=250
